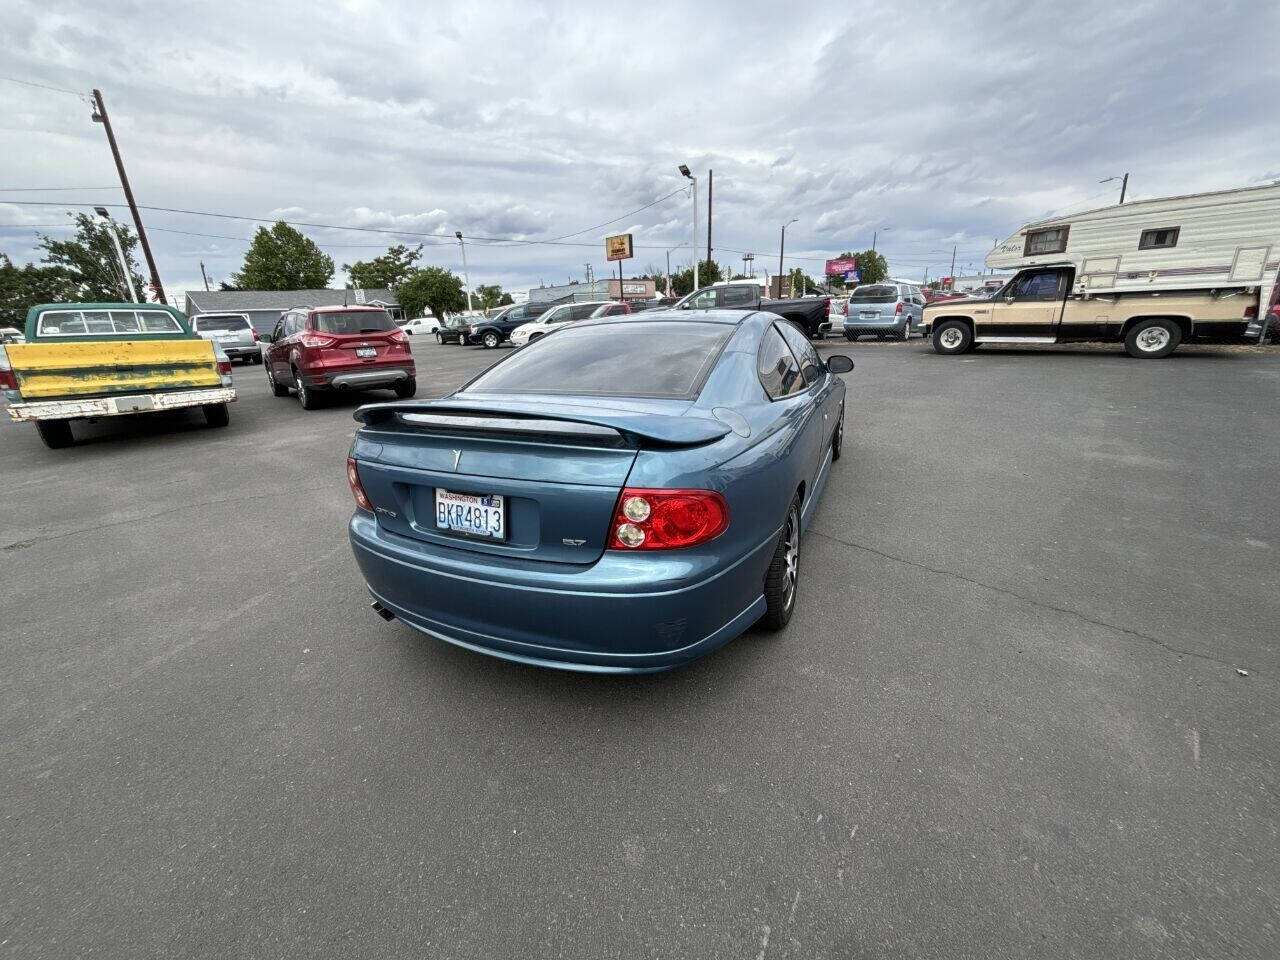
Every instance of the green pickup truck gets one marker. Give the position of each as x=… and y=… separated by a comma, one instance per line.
x=88, y=360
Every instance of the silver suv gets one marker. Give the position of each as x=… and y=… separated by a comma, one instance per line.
x=231, y=331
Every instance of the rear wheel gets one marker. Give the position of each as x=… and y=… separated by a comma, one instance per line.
x=56, y=434
x=306, y=396
x=1152, y=339
x=952, y=336
x=490, y=340
x=216, y=414
x=438, y=340
x=837, y=439
x=406, y=388
x=783, y=577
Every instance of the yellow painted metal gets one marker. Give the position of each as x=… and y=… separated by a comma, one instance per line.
x=84, y=368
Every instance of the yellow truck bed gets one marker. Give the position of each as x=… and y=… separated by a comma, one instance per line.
x=45, y=370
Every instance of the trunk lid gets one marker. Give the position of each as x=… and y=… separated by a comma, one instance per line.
x=558, y=469
x=47, y=369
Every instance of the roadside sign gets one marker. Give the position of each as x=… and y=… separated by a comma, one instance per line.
x=841, y=265
x=359, y=295
x=618, y=248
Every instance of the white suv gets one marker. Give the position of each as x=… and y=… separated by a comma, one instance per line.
x=565, y=313
x=419, y=325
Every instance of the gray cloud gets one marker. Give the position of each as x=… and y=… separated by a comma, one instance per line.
x=936, y=124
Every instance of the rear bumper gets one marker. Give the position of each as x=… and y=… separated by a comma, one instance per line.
x=118, y=405
x=240, y=351
x=359, y=379
x=608, y=617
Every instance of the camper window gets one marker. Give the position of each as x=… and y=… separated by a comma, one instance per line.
x=1155, y=239
x=1052, y=240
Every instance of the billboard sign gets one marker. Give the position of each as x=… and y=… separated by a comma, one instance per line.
x=618, y=248
x=842, y=265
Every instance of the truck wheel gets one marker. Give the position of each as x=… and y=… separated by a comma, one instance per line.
x=952, y=336
x=1152, y=339
x=406, y=388
x=216, y=414
x=490, y=340
x=56, y=434
x=783, y=577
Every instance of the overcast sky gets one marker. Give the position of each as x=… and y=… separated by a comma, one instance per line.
x=936, y=124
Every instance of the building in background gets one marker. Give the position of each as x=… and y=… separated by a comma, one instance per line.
x=981, y=281
x=596, y=290
x=265, y=306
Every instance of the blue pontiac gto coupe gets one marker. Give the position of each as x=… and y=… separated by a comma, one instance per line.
x=621, y=496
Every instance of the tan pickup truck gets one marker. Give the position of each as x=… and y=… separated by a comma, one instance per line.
x=1044, y=305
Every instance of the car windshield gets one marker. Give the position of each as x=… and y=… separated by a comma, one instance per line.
x=876, y=293
x=645, y=359
x=353, y=321
x=206, y=324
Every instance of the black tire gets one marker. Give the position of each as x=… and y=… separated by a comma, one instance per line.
x=905, y=333
x=490, y=340
x=837, y=438
x=406, y=388
x=1152, y=339
x=277, y=389
x=781, y=582
x=306, y=395
x=408, y=333
x=216, y=414
x=952, y=337
x=56, y=434
x=438, y=340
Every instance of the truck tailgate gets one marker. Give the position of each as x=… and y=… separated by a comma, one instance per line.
x=46, y=370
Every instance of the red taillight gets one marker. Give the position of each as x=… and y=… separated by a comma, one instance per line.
x=898, y=308
x=398, y=336
x=667, y=519
x=224, y=368
x=844, y=308
x=311, y=340
x=1251, y=312
x=8, y=381
x=256, y=338
x=357, y=491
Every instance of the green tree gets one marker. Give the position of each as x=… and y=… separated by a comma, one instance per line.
x=802, y=283
x=506, y=300
x=682, y=281
x=23, y=287
x=388, y=270
x=487, y=295
x=872, y=267
x=89, y=263
x=281, y=258
x=431, y=289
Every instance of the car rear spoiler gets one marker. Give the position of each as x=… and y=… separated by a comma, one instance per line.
x=451, y=416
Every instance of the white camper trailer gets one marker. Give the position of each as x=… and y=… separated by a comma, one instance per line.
x=1152, y=273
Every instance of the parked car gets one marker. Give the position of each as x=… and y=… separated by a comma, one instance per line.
x=233, y=332
x=615, y=308
x=92, y=360
x=883, y=309
x=453, y=330
x=314, y=350
x=940, y=296
x=11, y=335
x=553, y=318
x=621, y=497
x=837, y=310
x=807, y=313
x=419, y=325
x=495, y=330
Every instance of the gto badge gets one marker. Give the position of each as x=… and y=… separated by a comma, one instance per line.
x=383, y=510
x=457, y=455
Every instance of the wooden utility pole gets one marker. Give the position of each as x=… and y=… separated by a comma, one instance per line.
x=100, y=116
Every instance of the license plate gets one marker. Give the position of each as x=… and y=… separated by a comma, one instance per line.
x=366, y=352
x=475, y=515
x=133, y=404
x=869, y=316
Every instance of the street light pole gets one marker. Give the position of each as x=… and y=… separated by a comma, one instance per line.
x=100, y=116
x=782, y=246
x=694, y=180
x=124, y=264
x=875, y=234
x=1124, y=184
x=466, y=275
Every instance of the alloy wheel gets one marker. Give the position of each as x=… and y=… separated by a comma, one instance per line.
x=791, y=555
x=1153, y=339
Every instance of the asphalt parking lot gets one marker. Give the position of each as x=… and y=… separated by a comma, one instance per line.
x=1007, y=720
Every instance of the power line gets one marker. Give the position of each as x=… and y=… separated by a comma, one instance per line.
x=45, y=86
x=50, y=189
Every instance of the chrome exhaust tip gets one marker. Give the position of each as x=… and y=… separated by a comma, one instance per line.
x=382, y=611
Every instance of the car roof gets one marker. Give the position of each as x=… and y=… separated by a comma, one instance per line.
x=336, y=308
x=727, y=317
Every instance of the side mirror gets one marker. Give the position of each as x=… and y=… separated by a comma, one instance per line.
x=839, y=363
x=1008, y=299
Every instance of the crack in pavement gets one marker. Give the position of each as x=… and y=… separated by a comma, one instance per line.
x=31, y=542
x=1032, y=602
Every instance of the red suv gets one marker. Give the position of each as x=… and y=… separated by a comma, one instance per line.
x=318, y=349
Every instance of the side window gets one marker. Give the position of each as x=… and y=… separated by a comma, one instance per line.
x=706, y=300
x=779, y=373
x=582, y=311
x=1040, y=286
x=277, y=332
x=810, y=363
x=97, y=321
x=738, y=296
x=125, y=321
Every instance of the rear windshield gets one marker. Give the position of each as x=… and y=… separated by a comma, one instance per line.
x=222, y=323
x=79, y=323
x=353, y=321
x=655, y=359
x=876, y=293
